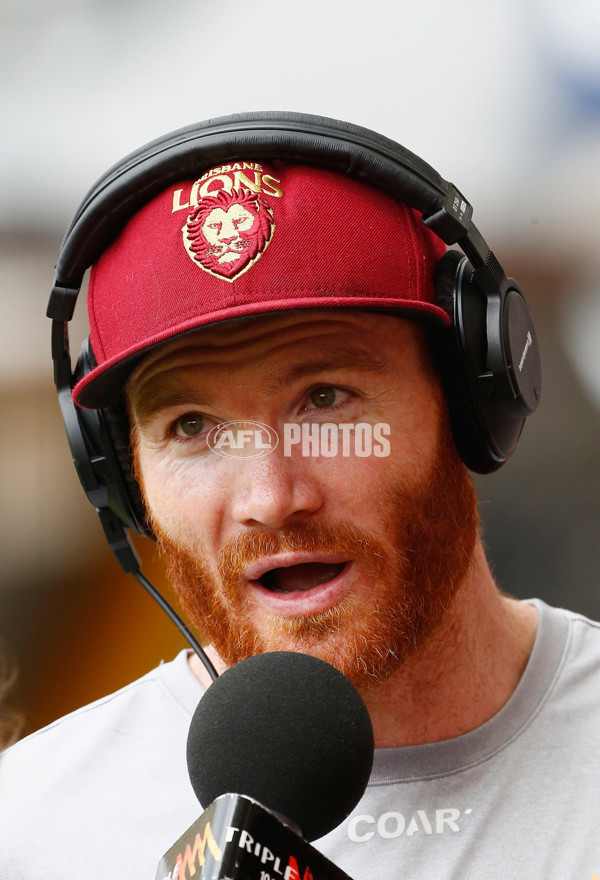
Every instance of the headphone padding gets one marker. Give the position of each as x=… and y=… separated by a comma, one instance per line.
x=117, y=425
x=469, y=435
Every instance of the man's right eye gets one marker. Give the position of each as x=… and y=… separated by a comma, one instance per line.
x=189, y=425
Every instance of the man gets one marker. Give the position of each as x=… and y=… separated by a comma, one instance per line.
x=329, y=326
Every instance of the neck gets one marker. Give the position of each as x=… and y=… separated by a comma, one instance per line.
x=460, y=677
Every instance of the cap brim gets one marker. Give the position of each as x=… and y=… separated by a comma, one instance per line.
x=102, y=386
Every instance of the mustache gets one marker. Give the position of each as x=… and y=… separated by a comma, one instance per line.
x=349, y=541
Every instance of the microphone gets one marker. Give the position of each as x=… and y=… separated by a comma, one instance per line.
x=279, y=751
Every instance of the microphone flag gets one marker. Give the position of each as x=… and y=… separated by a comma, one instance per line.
x=236, y=838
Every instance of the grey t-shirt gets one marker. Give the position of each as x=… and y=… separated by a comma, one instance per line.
x=104, y=792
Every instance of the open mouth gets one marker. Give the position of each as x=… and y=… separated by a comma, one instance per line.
x=300, y=578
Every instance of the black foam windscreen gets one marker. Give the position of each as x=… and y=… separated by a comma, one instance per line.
x=289, y=731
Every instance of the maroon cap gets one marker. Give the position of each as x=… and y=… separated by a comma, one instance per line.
x=245, y=239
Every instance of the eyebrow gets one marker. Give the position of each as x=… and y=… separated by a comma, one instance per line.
x=149, y=399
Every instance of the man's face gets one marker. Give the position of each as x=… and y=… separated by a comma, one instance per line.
x=355, y=559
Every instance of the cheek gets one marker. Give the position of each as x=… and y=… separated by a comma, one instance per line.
x=181, y=496
x=353, y=489
x=415, y=430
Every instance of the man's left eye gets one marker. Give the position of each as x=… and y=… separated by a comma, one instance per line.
x=321, y=398
x=189, y=425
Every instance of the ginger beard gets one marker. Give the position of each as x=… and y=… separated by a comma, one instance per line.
x=414, y=578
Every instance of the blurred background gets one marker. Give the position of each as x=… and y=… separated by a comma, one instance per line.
x=502, y=99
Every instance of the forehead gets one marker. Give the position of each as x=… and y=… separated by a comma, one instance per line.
x=245, y=342
x=267, y=356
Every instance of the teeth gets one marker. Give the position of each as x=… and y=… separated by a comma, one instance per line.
x=300, y=578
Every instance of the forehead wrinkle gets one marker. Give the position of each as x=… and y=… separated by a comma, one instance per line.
x=348, y=357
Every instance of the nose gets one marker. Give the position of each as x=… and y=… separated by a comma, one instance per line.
x=274, y=491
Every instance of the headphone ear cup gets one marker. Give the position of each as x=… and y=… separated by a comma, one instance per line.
x=466, y=421
x=103, y=456
x=127, y=499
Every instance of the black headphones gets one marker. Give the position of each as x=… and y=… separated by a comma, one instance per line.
x=489, y=357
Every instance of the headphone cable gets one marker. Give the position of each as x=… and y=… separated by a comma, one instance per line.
x=120, y=543
x=176, y=619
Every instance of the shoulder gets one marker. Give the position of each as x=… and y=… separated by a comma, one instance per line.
x=154, y=705
x=582, y=633
x=582, y=652
x=106, y=767
x=564, y=625
x=569, y=655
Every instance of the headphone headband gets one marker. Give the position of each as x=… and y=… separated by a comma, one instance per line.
x=338, y=146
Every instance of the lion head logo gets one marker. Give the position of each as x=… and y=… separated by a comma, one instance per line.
x=228, y=231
